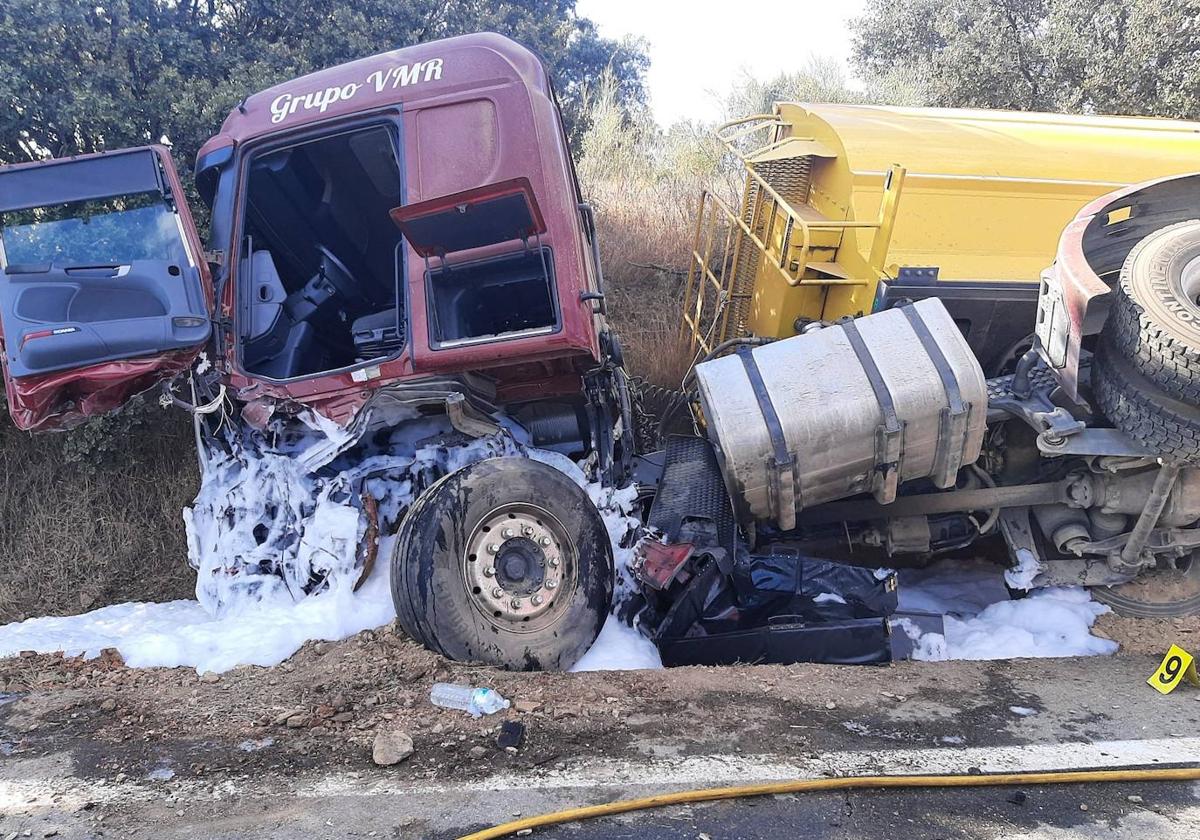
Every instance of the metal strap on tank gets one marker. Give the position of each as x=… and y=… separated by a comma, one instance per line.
x=784, y=487
x=889, y=439
x=953, y=430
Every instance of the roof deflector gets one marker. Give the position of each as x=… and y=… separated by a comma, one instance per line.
x=473, y=218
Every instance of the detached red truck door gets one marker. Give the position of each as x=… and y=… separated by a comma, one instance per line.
x=104, y=291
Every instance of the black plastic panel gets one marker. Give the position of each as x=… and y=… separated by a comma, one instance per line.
x=993, y=315
x=60, y=182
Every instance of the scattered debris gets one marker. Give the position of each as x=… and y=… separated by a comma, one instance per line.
x=512, y=734
x=251, y=745
x=391, y=748
x=477, y=701
x=283, y=718
x=1017, y=797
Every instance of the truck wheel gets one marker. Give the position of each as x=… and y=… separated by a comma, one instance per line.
x=505, y=562
x=1166, y=426
x=1157, y=593
x=1155, y=316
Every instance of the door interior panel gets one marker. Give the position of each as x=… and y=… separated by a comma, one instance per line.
x=57, y=318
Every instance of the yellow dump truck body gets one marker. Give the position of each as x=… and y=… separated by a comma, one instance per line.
x=984, y=198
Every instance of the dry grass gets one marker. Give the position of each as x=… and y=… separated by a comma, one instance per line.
x=644, y=242
x=645, y=187
x=78, y=532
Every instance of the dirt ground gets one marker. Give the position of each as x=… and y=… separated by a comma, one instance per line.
x=325, y=705
x=91, y=748
x=1149, y=635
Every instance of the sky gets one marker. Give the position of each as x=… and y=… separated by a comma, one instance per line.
x=698, y=48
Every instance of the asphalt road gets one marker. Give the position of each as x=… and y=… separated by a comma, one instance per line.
x=989, y=717
x=1165, y=811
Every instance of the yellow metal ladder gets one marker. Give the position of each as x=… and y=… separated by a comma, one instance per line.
x=773, y=236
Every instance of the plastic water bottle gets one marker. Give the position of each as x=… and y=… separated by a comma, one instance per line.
x=476, y=701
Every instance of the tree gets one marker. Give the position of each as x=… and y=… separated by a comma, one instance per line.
x=86, y=75
x=1105, y=56
x=820, y=79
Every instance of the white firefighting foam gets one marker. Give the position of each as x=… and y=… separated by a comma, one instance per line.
x=981, y=622
x=262, y=529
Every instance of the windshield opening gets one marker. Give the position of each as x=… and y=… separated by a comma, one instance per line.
x=319, y=276
x=106, y=231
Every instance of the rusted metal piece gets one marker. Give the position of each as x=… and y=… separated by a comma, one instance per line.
x=368, y=548
x=1130, y=558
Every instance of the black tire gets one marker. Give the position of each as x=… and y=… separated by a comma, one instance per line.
x=1168, y=427
x=1156, y=593
x=1155, y=317
x=448, y=561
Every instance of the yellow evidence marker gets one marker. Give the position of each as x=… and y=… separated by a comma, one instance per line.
x=1176, y=665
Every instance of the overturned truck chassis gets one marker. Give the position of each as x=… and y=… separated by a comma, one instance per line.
x=1074, y=502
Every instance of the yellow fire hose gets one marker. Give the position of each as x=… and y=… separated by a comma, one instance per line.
x=1052, y=777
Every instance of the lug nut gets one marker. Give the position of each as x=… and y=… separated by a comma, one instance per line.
x=493, y=548
x=537, y=600
x=489, y=572
x=527, y=530
x=550, y=584
x=497, y=592
x=515, y=603
x=507, y=533
x=544, y=542
x=553, y=562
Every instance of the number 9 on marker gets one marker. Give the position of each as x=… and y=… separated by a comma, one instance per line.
x=1176, y=665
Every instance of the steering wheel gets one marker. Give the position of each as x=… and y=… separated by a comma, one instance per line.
x=335, y=271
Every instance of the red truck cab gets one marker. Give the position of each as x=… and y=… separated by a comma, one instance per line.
x=396, y=239
x=404, y=219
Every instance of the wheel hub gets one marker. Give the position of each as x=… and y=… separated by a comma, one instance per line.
x=1189, y=285
x=517, y=564
x=520, y=566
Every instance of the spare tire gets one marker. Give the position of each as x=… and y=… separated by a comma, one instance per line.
x=1168, y=427
x=1155, y=317
x=507, y=562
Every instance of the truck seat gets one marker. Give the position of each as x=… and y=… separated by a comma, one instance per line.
x=378, y=334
